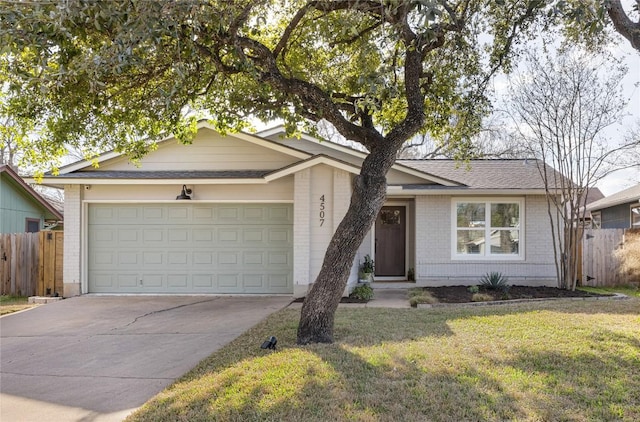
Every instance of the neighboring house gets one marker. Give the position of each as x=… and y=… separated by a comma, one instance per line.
x=618, y=211
x=22, y=209
x=594, y=194
x=263, y=208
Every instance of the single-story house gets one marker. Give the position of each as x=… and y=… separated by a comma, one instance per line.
x=254, y=214
x=618, y=211
x=22, y=209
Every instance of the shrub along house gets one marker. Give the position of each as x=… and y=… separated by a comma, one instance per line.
x=253, y=214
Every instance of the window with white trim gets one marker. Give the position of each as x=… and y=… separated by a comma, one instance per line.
x=635, y=217
x=596, y=220
x=488, y=229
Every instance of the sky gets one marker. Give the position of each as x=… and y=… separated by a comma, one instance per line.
x=624, y=179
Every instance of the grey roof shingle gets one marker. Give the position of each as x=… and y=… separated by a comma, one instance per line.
x=485, y=174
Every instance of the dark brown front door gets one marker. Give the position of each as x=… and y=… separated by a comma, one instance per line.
x=390, y=233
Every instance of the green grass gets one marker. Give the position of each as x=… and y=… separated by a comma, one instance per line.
x=631, y=291
x=10, y=304
x=548, y=361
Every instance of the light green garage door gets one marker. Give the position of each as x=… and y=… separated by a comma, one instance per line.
x=190, y=248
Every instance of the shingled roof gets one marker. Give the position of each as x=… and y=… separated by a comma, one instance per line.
x=629, y=195
x=485, y=174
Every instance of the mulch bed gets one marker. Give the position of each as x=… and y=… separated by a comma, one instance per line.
x=461, y=294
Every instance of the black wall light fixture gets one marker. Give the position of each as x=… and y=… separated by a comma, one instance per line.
x=185, y=193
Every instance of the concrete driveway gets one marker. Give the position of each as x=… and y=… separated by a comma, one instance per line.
x=97, y=358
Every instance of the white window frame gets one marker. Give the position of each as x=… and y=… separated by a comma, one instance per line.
x=488, y=256
x=631, y=216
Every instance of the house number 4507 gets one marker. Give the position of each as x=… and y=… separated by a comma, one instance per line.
x=321, y=210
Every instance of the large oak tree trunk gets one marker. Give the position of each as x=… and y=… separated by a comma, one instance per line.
x=369, y=194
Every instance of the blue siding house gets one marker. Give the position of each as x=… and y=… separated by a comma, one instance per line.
x=22, y=209
x=618, y=211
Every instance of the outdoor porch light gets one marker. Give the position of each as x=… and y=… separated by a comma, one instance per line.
x=184, y=194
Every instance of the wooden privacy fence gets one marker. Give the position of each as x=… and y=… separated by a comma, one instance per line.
x=31, y=264
x=599, y=265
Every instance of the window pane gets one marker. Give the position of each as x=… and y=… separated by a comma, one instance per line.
x=635, y=217
x=505, y=215
x=596, y=220
x=505, y=242
x=470, y=242
x=470, y=214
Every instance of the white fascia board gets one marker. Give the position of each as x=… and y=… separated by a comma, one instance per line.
x=310, y=163
x=110, y=181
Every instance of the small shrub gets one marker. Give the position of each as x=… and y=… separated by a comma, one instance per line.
x=419, y=295
x=362, y=292
x=425, y=297
x=473, y=289
x=494, y=281
x=367, y=266
x=481, y=297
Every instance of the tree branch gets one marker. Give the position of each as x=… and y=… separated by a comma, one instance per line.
x=623, y=24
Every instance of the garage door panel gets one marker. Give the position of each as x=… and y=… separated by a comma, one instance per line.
x=186, y=248
x=279, y=236
x=203, y=281
x=279, y=259
x=253, y=282
x=281, y=214
x=153, y=235
x=204, y=258
x=154, y=214
x=179, y=235
x=227, y=259
x=179, y=214
x=128, y=215
x=153, y=258
x=279, y=281
x=177, y=281
x=128, y=258
x=179, y=258
x=203, y=236
x=127, y=280
x=229, y=282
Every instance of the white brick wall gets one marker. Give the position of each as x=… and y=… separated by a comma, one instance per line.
x=341, y=200
x=301, y=232
x=72, y=240
x=310, y=238
x=433, y=247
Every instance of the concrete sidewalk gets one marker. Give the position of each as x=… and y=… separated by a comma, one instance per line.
x=98, y=358
x=383, y=297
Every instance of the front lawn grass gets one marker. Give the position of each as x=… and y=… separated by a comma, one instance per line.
x=545, y=361
x=10, y=304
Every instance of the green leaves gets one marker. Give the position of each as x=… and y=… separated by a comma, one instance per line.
x=107, y=74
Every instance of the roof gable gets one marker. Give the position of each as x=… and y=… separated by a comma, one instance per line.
x=208, y=151
x=21, y=185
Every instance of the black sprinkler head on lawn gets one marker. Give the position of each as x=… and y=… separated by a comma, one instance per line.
x=270, y=343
